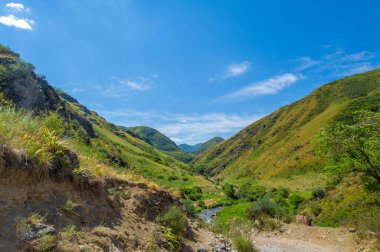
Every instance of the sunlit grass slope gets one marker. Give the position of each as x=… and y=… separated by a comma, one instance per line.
x=278, y=149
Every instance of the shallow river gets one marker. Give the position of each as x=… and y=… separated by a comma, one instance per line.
x=209, y=214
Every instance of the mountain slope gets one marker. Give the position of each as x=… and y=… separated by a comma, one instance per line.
x=87, y=133
x=189, y=148
x=157, y=140
x=68, y=178
x=278, y=148
x=208, y=145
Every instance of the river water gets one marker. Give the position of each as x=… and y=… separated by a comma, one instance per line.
x=209, y=214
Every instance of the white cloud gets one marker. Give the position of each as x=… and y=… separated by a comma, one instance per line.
x=236, y=70
x=265, y=87
x=137, y=86
x=231, y=71
x=339, y=64
x=125, y=87
x=15, y=6
x=182, y=128
x=360, y=56
x=306, y=63
x=20, y=23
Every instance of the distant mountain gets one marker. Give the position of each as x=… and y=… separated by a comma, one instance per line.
x=198, y=148
x=189, y=148
x=158, y=140
x=208, y=145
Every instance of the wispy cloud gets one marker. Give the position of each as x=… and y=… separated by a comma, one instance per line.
x=17, y=7
x=125, y=87
x=182, y=128
x=265, y=87
x=20, y=23
x=232, y=71
x=137, y=86
x=236, y=70
x=306, y=63
x=339, y=63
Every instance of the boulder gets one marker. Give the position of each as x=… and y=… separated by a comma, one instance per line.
x=37, y=231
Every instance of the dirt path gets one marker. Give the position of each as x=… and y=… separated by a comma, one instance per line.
x=302, y=238
x=295, y=238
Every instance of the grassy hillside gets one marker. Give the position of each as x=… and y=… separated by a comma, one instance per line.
x=85, y=131
x=278, y=152
x=158, y=140
x=208, y=145
x=278, y=148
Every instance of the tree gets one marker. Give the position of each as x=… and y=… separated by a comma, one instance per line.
x=354, y=146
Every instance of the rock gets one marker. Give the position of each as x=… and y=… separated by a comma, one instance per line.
x=38, y=230
x=201, y=249
x=84, y=248
x=113, y=248
x=352, y=230
x=282, y=229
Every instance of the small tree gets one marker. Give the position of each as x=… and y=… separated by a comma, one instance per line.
x=354, y=146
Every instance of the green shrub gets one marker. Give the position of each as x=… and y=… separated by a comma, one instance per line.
x=172, y=239
x=194, y=193
x=189, y=207
x=244, y=245
x=296, y=199
x=318, y=193
x=174, y=219
x=229, y=191
x=316, y=209
x=262, y=207
x=55, y=123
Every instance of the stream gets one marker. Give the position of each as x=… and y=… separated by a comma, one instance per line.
x=209, y=214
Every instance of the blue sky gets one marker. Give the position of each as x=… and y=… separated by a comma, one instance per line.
x=192, y=69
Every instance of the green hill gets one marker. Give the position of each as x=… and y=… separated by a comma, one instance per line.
x=278, y=147
x=278, y=152
x=158, y=140
x=207, y=145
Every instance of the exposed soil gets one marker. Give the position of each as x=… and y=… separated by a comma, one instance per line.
x=302, y=238
x=295, y=238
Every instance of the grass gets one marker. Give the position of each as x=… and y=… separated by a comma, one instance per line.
x=70, y=206
x=244, y=245
x=45, y=243
x=230, y=215
x=20, y=129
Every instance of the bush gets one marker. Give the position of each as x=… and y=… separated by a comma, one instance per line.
x=174, y=219
x=229, y=191
x=296, y=200
x=194, y=193
x=318, y=193
x=189, y=207
x=244, y=245
x=262, y=207
x=316, y=208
